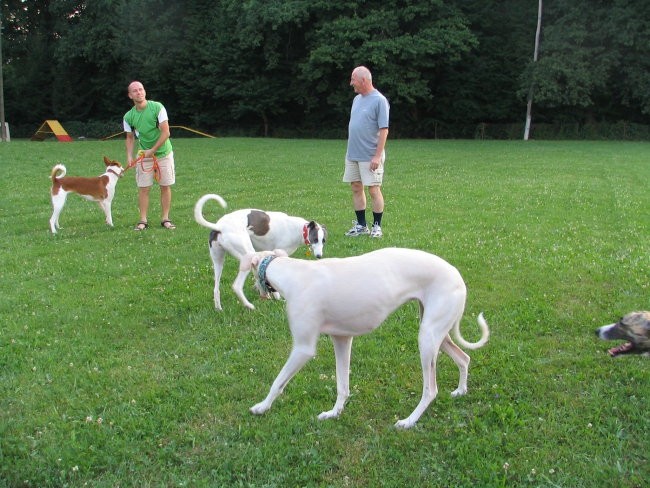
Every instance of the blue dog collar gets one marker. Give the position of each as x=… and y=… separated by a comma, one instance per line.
x=261, y=275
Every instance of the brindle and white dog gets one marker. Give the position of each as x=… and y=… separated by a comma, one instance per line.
x=634, y=328
x=249, y=230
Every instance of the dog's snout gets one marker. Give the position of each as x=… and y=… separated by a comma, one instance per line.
x=317, y=250
x=602, y=332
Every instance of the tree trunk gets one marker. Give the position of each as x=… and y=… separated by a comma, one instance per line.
x=265, y=120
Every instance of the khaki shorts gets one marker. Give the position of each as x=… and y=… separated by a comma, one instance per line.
x=144, y=175
x=360, y=171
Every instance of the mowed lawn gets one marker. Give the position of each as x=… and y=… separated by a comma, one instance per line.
x=115, y=369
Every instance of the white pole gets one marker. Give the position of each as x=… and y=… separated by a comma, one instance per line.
x=3, y=126
x=529, y=105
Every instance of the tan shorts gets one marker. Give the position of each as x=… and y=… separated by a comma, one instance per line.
x=144, y=175
x=360, y=171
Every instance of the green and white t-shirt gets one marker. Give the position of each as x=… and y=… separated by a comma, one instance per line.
x=145, y=125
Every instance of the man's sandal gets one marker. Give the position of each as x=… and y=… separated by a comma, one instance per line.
x=167, y=224
x=141, y=226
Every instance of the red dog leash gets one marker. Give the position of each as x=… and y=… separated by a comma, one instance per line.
x=155, y=168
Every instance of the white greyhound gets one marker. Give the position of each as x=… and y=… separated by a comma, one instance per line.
x=352, y=296
x=249, y=230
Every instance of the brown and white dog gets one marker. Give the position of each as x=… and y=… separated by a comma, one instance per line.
x=249, y=230
x=634, y=328
x=100, y=189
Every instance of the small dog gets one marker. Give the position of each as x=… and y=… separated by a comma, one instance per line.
x=246, y=231
x=100, y=189
x=352, y=296
x=633, y=328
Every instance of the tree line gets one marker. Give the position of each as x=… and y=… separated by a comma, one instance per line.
x=450, y=68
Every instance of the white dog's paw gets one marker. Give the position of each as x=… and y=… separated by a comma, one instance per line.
x=404, y=424
x=458, y=392
x=259, y=409
x=330, y=414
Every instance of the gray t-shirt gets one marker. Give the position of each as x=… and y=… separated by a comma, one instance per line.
x=369, y=113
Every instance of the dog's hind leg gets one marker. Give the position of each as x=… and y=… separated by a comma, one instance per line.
x=58, y=201
x=342, y=352
x=435, y=323
x=297, y=359
x=462, y=361
x=429, y=347
x=218, y=255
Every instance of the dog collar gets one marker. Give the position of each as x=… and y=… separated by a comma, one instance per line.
x=261, y=275
x=305, y=234
x=119, y=175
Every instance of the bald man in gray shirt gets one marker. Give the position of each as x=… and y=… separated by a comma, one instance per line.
x=365, y=156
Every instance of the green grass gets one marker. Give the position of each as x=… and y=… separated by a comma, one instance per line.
x=115, y=369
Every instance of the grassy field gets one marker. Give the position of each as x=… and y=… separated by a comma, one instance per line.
x=115, y=369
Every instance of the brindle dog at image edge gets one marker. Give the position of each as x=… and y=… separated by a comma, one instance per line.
x=634, y=328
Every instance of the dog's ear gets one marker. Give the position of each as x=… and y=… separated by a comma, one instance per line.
x=107, y=161
x=281, y=253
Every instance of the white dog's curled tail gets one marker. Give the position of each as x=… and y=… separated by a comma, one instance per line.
x=198, y=209
x=485, y=334
x=58, y=171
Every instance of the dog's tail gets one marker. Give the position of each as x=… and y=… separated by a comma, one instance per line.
x=58, y=171
x=198, y=209
x=485, y=334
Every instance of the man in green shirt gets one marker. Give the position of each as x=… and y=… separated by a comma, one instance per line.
x=148, y=122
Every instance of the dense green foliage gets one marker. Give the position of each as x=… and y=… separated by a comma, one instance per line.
x=115, y=369
x=279, y=67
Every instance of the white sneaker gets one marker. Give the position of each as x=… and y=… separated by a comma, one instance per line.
x=376, y=231
x=357, y=230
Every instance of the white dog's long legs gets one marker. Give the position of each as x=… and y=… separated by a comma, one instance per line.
x=297, y=359
x=462, y=361
x=218, y=255
x=342, y=352
x=429, y=348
